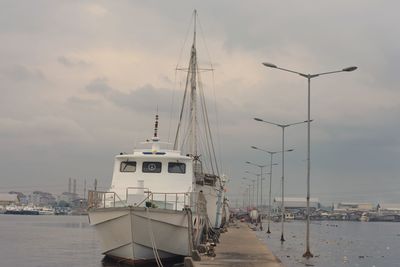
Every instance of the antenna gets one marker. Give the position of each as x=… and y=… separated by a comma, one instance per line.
x=194, y=25
x=156, y=124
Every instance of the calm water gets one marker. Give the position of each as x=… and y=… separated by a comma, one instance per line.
x=48, y=241
x=337, y=243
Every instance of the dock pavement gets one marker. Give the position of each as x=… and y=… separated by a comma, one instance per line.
x=239, y=246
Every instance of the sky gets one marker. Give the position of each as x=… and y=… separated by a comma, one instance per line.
x=80, y=82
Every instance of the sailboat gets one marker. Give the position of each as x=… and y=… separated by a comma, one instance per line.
x=162, y=203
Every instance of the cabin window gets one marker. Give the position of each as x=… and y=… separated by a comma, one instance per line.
x=128, y=166
x=151, y=166
x=176, y=167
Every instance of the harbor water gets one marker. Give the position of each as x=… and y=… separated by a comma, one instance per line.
x=51, y=241
x=336, y=243
x=48, y=241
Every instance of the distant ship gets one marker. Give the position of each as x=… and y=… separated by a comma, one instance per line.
x=28, y=210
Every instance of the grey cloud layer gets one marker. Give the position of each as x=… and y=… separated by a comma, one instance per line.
x=81, y=81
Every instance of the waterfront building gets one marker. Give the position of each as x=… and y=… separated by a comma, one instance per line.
x=297, y=203
x=352, y=206
x=39, y=198
x=388, y=208
x=68, y=197
x=8, y=199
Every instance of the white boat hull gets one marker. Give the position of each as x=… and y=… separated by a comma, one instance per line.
x=127, y=233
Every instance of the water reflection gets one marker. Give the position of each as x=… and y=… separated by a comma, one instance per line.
x=62, y=224
x=107, y=262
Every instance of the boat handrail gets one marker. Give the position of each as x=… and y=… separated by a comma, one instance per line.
x=94, y=196
x=136, y=187
x=165, y=194
x=99, y=199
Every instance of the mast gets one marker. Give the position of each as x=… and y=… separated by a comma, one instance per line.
x=191, y=82
x=193, y=92
x=193, y=128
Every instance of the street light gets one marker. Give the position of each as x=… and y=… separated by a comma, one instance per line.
x=253, y=181
x=261, y=186
x=271, y=153
x=282, y=126
x=308, y=253
x=260, y=175
x=246, y=196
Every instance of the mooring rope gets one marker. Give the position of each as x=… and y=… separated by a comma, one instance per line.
x=152, y=240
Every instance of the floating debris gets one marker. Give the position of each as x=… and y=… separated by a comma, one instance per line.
x=345, y=259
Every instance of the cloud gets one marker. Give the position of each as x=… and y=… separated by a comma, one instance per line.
x=99, y=85
x=70, y=62
x=144, y=99
x=95, y=9
x=41, y=131
x=106, y=65
x=21, y=73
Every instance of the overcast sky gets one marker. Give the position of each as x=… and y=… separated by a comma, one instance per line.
x=81, y=80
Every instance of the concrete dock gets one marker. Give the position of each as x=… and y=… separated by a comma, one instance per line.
x=239, y=247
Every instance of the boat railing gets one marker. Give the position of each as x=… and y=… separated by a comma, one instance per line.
x=102, y=199
x=161, y=200
x=170, y=201
x=145, y=190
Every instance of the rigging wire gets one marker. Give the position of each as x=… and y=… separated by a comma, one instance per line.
x=208, y=146
x=191, y=126
x=215, y=98
x=175, y=78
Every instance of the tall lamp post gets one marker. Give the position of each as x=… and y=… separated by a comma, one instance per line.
x=261, y=178
x=255, y=192
x=283, y=127
x=271, y=153
x=308, y=253
x=246, y=195
x=253, y=181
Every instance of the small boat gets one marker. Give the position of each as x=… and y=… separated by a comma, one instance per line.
x=364, y=217
x=46, y=211
x=289, y=216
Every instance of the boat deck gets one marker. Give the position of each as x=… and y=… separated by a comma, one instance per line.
x=238, y=247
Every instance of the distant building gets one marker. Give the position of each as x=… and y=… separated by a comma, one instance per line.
x=39, y=198
x=22, y=198
x=7, y=199
x=68, y=197
x=296, y=203
x=388, y=208
x=351, y=206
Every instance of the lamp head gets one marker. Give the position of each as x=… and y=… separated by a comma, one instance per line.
x=270, y=65
x=254, y=147
x=349, y=68
x=258, y=119
x=289, y=150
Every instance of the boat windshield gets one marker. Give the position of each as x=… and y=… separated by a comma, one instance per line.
x=176, y=167
x=151, y=166
x=127, y=166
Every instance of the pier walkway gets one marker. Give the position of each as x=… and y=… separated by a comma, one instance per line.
x=239, y=247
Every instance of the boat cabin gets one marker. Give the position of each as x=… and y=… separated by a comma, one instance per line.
x=162, y=172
